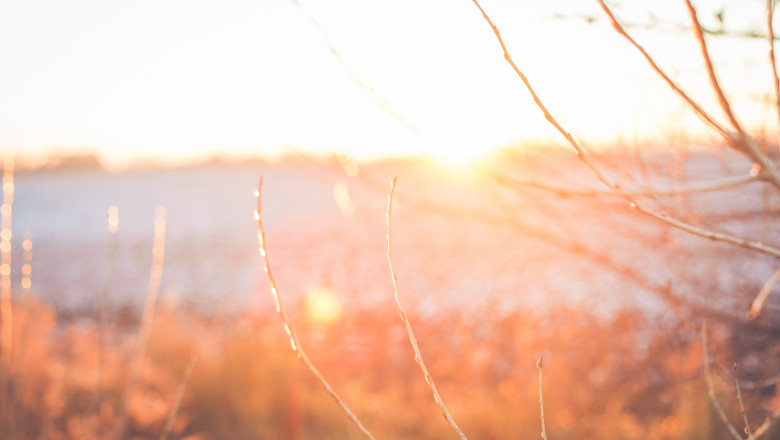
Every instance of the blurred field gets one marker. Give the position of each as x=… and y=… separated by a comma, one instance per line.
x=494, y=276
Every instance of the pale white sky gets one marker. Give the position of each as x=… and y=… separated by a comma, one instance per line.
x=178, y=78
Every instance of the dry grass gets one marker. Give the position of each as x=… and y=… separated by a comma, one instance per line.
x=247, y=383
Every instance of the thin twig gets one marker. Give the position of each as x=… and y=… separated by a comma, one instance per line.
x=288, y=328
x=565, y=192
x=666, y=28
x=697, y=109
x=763, y=172
x=417, y=355
x=356, y=77
x=742, y=405
x=742, y=141
x=711, y=235
x=179, y=395
x=767, y=424
x=541, y=400
x=705, y=54
x=711, y=388
x=758, y=303
x=770, y=7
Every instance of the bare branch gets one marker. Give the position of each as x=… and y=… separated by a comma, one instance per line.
x=705, y=54
x=697, y=109
x=770, y=7
x=288, y=328
x=711, y=235
x=742, y=406
x=179, y=395
x=564, y=192
x=763, y=172
x=711, y=387
x=767, y=424
x=763, y=294
x=653, y=24
x=417, y=355
x=541, y=400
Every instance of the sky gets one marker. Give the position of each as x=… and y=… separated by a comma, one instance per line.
x=181, y=79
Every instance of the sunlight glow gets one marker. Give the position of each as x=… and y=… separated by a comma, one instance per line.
x=142, y=79
x=322, y=306
x=343, y=201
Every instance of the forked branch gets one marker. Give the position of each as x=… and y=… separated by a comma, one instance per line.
x=697, y=109
x=763, y=172
x=740, y=141
x=417, y=355
x=288, y=328
x=711, y=388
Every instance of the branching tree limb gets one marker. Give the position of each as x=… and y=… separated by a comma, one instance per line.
x=763, y=172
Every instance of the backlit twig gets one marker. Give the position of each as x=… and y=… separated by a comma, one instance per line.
x=705, y=53
x=711, y=388
x=742, y=405
x=541, y=400
x=288, y=328
x=417, y=355
x=565, y=192
x=770, y=7
x=767, y=424
x=758, y=303
x=697, y=109
x=179, y=395
x=763, y=172
x=741, y=141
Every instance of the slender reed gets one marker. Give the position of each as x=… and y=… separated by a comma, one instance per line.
x=288, y=328
x=541, y=400
x=742, y=405
x=147, y=319
x=6, y=311
x=417, y=355
x=179, y=395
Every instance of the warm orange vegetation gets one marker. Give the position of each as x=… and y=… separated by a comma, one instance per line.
x=607, y=380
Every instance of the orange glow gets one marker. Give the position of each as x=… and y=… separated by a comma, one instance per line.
x=113, y=219
x=343, y=201
x=322, y=306
x=507, y=387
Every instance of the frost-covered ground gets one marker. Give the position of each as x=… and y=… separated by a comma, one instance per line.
x=463, y=243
